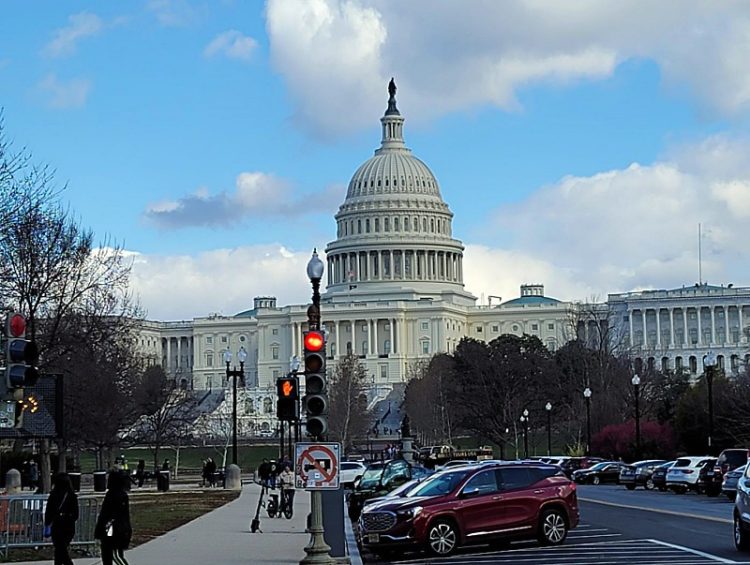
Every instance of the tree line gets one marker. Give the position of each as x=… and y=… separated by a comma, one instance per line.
x=482, y=390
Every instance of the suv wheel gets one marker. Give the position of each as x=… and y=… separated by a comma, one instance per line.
x=741, y=537
x=649, y=484
x=552, y=527
x=596, y=480
x=442, y=538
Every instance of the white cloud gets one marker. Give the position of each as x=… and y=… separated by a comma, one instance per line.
x=454, y=55
x=173, y=13
x=62, y=94
x=256, y=194
x=233, y=45
x=65, y=40
x=627, y=228
x=225, y=279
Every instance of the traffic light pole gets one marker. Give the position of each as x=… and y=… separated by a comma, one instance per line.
x=318, y=551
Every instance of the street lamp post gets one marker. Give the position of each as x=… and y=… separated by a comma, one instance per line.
x=587, y=396
x=234, y=373
x=636, y=380
x=318, y=551
x=548, y=408
x=525, y=421
x=709, y=362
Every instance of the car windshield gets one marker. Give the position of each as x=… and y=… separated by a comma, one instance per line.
x=439, y=484
x=599, y=466
x=371, y=476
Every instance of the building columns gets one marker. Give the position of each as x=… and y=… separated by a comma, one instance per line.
x=671, y=327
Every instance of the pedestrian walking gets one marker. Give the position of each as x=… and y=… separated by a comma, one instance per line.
x=33, y=475
x=113, y=527
x=60, y=517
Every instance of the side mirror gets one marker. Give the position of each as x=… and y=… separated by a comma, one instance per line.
x=469, y=493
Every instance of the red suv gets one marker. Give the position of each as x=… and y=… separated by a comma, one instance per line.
x=487, y=502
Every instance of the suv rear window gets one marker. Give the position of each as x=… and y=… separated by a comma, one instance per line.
x=682, y=463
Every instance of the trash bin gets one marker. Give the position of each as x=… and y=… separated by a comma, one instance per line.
x=162, y=481
x=75, y=479
x=100, y=481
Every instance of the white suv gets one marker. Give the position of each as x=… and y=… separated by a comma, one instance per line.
x=683, y=475
x=350, y=472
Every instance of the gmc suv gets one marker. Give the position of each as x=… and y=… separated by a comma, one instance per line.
x=488, y=502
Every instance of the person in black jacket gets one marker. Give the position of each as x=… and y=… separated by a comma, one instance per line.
x=60, y=516
x=113, y=526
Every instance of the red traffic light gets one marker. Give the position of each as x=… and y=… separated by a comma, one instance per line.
x=16, y=325
x=314, y=341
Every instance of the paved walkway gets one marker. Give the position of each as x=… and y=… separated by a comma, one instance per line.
x=223, y=537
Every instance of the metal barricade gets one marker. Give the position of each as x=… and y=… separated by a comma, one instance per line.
x=22, y=521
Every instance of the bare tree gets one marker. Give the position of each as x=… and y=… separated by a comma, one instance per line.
x=167, y=412
x=347, y=416
x=427, y=401
x=51, y=270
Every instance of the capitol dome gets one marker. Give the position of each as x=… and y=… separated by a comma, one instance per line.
x=394, y=231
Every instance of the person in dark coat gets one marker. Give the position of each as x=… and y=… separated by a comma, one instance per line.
x=264, y=472
x=140, y=472
x=113, y=527
x=60, y=517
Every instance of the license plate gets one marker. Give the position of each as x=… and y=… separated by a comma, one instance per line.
x=373, y=538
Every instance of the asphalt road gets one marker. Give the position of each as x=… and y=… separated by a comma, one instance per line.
x=623, y=527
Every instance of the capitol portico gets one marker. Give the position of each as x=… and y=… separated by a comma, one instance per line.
x=395, y=296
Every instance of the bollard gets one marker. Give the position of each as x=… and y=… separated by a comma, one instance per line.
x=13, y=481
x=232, y=478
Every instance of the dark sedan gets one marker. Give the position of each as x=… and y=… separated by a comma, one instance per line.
x=729, y=486
x=604, y=472
x=639, y=473
x=659, y=476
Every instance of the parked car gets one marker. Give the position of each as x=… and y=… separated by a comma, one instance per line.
x=707, y=477
x=350, y=472
x=659, y=476
x=729, y=459
x=604, y=472
x=741, y=513
x=491, y=502
x=639, y=474
x=729, y=485
x=683, y=475
x=378, y=480
x=572, y=464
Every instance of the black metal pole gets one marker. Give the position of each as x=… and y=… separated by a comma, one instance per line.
x=234, y=420
x=588, y=426
x=502, y=448
x=526, y=439
x=549, y=432
x=637, y=425
x=710, y=379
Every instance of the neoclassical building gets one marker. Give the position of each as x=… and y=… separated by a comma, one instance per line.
x=395, y=295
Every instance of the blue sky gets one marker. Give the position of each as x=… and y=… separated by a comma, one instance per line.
x=578, y=144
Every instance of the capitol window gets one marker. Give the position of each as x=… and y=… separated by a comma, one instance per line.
x=209, y=359
x=275, y=331
x=359, y=226
x=425, y=325
x=377, y=225
x=386, y=224
x=275, y=352
x=209, y=339
x=367, y=226
x=425, y=347
x=495, y=328
x=395, y=224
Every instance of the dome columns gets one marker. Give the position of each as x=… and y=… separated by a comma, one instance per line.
x=412, y=264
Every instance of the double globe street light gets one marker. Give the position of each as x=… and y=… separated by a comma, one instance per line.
x=548, y=408
x=235, y=373
x=525, y=423
x=709, y=363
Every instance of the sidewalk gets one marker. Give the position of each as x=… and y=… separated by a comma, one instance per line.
x=223, y=537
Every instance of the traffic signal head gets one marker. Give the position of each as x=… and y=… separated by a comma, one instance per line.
x=21, y=355
x=316, y=395
x=287, y=391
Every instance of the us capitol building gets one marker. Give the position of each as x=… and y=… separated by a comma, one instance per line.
x=395, y=296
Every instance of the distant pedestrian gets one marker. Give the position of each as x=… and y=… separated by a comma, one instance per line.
x=165, y=465
x=286, y=481
x=204, y=475
x=140, y=472
x=113, y=527
x=211, y=471
x=264, y=472
x=33, y=474
x=60, y=517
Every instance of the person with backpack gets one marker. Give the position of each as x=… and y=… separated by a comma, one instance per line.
x=113, y=527
x=60, y=517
